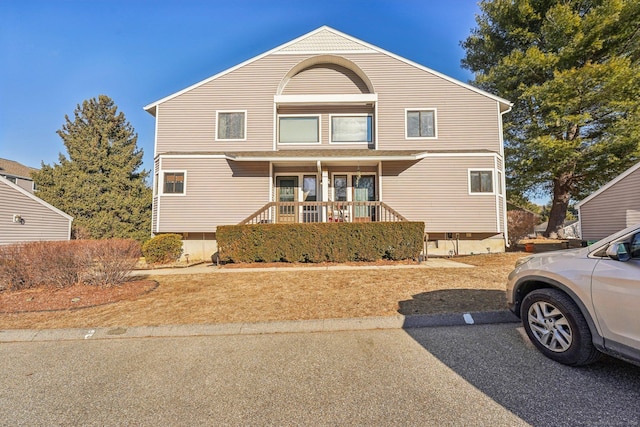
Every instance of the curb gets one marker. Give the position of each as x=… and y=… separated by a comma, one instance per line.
x=276, y=327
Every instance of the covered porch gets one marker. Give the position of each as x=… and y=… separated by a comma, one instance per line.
x=330, y=185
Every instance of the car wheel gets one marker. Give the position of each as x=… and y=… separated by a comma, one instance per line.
x=557, y=328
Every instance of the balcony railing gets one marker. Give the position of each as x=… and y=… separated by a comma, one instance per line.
x=297, y=212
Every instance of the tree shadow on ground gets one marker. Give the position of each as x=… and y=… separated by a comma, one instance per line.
x=501, y=363
x=454, y=301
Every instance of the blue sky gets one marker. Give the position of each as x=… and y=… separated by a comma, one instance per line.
x=55, y=54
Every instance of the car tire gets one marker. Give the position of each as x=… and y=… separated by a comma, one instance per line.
x=556, y=326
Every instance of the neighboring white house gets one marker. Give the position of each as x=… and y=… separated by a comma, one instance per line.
x=26, y=218
x=613, y=207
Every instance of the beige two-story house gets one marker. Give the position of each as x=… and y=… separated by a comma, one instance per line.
x=330, y=128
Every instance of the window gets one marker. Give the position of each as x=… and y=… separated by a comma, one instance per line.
x=299, y=129
x=481, y=181
x=421, y=124
x=173, y=183
x=231, y=125
x=351, y=129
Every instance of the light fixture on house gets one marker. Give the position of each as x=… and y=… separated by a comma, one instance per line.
x=18, y=219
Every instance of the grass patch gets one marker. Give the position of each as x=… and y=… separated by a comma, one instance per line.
x=294, y=295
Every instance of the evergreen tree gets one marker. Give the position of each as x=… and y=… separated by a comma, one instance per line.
x=99, y=183
x=572, y=69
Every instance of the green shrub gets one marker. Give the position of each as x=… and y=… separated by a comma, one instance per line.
x=162, y=249
x=320, y=242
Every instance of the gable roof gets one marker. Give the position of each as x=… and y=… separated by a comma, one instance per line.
x=325, y=40
x=610, y=184
x=13, y=168
x=34, y=198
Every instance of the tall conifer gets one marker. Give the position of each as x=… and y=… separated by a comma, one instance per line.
x=572, y=69
x=99, y=183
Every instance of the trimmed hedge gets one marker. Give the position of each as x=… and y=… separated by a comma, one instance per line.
x=162, y=249
x=320, y=242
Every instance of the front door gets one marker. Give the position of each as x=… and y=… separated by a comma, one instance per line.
x=287, y=190
x=364, y=190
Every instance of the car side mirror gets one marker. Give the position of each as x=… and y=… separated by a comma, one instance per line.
x=618, y=252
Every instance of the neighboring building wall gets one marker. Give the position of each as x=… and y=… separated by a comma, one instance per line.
x=23, y=183
x=40, y=222
x=612, y=210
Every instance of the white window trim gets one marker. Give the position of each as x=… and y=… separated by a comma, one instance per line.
x=161, y=187
x=231, y=111
x=493, y=181
x=331, y=116
x=305, y=144
x=435, y=123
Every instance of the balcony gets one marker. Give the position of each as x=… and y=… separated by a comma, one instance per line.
x=302, y=212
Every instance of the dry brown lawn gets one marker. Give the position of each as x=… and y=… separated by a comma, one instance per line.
x=293, y=295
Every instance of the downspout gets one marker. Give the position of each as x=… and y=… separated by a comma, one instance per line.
x=504, y=176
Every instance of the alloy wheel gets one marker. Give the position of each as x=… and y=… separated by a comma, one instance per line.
x=550, y=326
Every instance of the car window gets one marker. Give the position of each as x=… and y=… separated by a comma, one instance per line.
x=635, y=246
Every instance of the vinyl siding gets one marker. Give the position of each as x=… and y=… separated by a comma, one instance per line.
x=218, y=192
x=325, y=79
x=41, y=223
x=465, y=119
x=436, y=191
x=612, y=210
x=187, y=122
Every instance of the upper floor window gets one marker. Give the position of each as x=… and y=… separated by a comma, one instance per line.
x=231, y=125
x=481, y=181
x=421, y=123
x=299, y=129
x=174, y=183
x=351, y=129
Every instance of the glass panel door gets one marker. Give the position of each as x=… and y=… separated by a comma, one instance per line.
x=363, y=191
x=287, y=189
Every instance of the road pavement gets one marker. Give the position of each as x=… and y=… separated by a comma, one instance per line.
x=461, y=375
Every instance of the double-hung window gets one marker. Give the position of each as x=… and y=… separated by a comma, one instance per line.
x=173, y=182
x=481, y=181
x=299, y=129
x=420, y=123
x=351, y=129
x=231, y=125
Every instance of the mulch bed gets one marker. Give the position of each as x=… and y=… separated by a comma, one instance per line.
x=72, y=297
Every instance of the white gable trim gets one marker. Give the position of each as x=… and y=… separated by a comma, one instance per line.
x=151, y=107
x=34, y=198
x=610, y=184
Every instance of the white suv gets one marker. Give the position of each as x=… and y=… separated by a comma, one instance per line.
x=575, y=304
